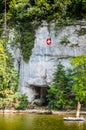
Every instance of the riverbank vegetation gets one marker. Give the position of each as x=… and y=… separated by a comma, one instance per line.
x=69, y=87
x=9, y=97
x=25, y=16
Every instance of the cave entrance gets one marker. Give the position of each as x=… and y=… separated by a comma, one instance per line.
x=41, y=93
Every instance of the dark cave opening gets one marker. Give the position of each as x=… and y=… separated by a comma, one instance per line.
x=41, y=94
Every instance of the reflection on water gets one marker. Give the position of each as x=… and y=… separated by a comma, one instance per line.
x=38, y=122
x=71, y=125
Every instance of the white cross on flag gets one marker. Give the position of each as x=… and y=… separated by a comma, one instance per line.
x=49, y=41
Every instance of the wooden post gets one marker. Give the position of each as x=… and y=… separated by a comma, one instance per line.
x=78, y=110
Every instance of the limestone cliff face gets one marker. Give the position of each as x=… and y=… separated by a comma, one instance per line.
x=38, y=72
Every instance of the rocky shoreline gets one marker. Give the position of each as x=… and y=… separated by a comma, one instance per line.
x=42, y=111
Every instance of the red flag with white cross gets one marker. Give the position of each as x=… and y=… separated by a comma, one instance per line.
x=48, y=41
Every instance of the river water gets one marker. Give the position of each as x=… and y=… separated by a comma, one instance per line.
x=38, y=122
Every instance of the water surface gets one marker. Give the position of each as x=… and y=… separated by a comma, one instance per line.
x=37, y=122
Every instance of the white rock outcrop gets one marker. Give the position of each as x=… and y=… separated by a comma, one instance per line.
x=41, y=66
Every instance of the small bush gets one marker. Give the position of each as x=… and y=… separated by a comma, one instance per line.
x=16, y=101
x=64, y=40
x=22, y=102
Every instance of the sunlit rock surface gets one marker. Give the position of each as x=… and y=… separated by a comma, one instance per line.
x=41, y=66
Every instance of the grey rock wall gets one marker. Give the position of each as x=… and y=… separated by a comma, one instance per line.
x=41, y=66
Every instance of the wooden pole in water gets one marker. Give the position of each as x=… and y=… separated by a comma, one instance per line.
x=78, y=110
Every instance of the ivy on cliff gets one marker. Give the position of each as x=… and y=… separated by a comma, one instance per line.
x=26, y=38
x=28, y=16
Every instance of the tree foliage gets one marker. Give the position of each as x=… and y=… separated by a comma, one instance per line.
x=70, y=86
x=9, y=98
x=32, y=12
x=79, y=78
x=38, y=9
x=77, y=9
x=43, y=9
x=8, y=76
x=58, y=92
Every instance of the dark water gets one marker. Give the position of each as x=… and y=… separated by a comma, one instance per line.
x=37, y=122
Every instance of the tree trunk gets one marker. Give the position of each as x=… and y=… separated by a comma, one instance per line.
x=5, y=19
x=78, y=110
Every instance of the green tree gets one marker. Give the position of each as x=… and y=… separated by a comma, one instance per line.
x=39, y=9
x=77, y=9
x=8, y=76
x=57, y=94
x=79, y=79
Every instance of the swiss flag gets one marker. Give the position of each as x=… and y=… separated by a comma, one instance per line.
x=48, y=41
